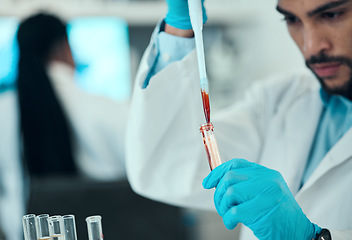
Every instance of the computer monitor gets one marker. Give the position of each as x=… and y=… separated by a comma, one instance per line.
x=100, y=47
x=8, y=52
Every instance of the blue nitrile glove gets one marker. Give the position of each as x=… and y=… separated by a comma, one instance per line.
x=259, y=198
x=178, y=15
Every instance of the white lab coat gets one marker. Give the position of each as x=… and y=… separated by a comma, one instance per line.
x=98, y=127
x=274, y=125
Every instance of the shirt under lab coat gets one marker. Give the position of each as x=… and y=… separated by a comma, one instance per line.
x=98, y=125
x=274, y=125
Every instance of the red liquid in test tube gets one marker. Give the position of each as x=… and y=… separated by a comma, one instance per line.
x=206, y=105
x=211, y=145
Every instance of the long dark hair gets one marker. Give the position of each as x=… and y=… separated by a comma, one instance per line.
x=46, y=135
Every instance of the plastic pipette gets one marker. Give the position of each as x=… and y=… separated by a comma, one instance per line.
x=196, y=15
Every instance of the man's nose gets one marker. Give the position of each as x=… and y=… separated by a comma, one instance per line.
x=315, y=42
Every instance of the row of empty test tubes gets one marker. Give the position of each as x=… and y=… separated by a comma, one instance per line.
x=45, y=227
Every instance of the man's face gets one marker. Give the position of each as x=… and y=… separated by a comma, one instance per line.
x=322, y=29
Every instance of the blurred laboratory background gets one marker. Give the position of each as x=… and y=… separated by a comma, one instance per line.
x=245, y=41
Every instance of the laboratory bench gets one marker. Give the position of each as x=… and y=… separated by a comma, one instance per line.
x=125, y=215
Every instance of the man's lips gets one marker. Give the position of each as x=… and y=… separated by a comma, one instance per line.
x=325, y=70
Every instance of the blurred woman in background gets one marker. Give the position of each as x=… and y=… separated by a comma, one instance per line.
x=49, y=126
x=45, y=130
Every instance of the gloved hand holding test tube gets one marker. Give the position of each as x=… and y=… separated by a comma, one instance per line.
x=196, y=16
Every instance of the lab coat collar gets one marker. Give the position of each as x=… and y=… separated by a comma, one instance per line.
x=340, y=153
x=302, y=120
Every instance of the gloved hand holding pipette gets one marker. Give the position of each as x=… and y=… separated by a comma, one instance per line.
x=258, y=197
x=178, y=14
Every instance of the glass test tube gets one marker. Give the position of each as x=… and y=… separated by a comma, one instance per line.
x=69, y=227
x=55, y=228
x=30, y=227
x=211, y=145
x=95, y=231
x=43, y=227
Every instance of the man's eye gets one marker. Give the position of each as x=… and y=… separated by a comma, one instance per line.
x=331, y=15
x=290, y=20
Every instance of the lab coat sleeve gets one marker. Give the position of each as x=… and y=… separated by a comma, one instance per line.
x=98, y=126
x=165, y=157
x=162, y=152
x=102, y=156
x=166, y=48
